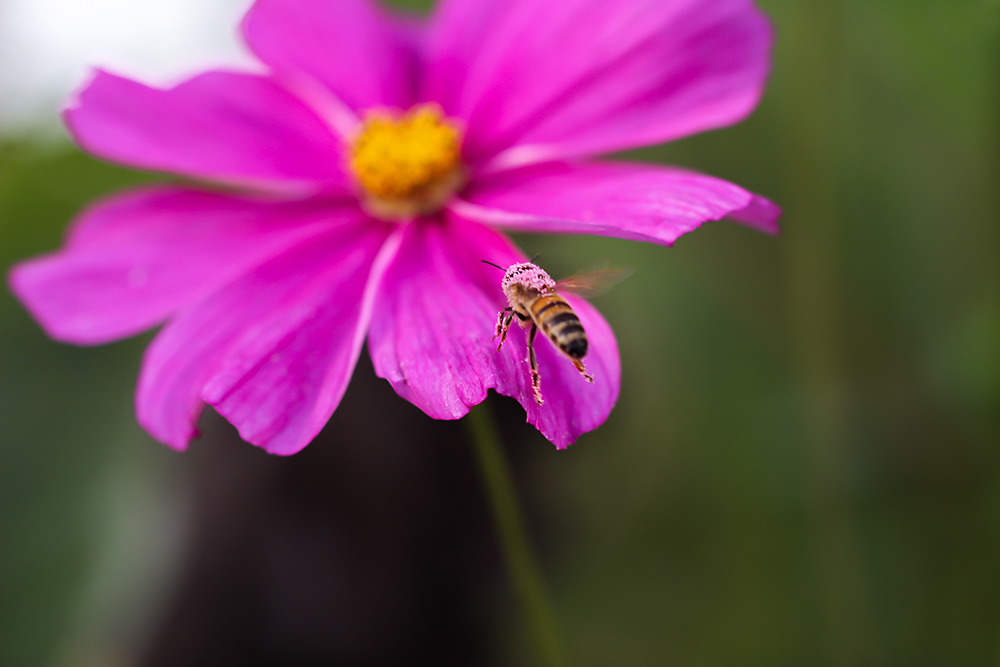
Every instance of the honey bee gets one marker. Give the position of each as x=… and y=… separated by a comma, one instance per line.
x=535, y=301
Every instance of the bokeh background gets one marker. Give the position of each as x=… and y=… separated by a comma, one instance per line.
x=803, y=468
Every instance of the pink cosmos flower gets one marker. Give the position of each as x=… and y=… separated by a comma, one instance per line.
x=367, y=171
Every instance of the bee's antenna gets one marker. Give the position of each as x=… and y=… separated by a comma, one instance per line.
x=484, y=261
x=535, y=257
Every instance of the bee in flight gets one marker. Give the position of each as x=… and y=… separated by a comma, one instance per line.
x=535, y=302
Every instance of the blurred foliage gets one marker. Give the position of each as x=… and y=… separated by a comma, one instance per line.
x=803, y=466
x=68, y=463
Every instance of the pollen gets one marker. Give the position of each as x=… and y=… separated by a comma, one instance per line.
x=407, y=165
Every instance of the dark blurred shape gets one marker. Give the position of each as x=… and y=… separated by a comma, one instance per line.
x=371, y=547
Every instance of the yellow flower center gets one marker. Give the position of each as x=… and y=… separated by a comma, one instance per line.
x=407, y=165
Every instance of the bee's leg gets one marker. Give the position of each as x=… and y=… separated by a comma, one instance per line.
x=583, y=371
x=503, y=323
x=536, y=380
x=498, y=330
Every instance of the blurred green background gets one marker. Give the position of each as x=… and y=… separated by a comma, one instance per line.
x=803, y=468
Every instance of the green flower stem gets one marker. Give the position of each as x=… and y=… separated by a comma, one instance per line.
x=521, y=566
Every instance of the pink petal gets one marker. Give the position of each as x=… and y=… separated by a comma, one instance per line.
x=132, y=260
x=273, y=350
x=226, y=127
x=432, y=328
x=353, y=47
x=580, y=77
x=627, y=200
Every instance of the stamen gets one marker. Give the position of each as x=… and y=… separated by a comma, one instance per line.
x=407, y=165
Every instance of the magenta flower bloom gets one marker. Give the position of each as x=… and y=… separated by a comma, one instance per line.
x=367, y=170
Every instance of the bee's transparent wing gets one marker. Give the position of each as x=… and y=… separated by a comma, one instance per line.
x=594, y=281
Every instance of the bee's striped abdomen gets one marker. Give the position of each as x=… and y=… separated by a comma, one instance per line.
x=560, y=324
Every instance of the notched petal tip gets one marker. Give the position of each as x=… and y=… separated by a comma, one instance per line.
x=179, y=441
x=73, y=99
x=32, y=284
x=74, y=104
x=760, y=214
